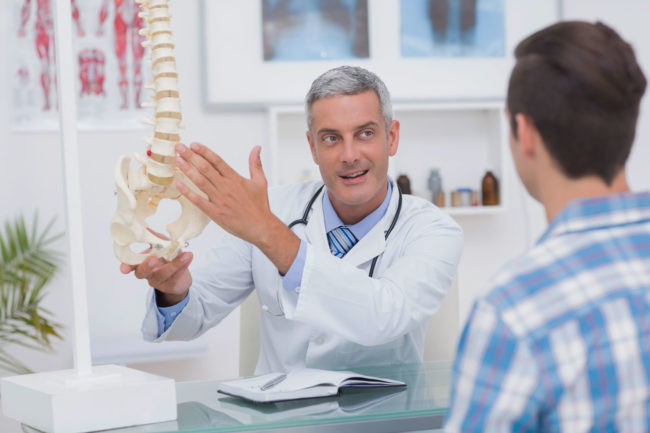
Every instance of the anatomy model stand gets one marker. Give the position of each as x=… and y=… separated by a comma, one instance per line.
x=90, y=398
x=139, y=190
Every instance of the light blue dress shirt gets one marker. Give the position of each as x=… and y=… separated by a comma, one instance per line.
x=291, y=280
x=167, y=315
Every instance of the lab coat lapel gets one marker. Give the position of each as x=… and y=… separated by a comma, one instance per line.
x=371, y=245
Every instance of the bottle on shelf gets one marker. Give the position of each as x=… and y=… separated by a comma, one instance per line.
x=490, y=189
x=434, y=182
x=404, y=184
x=440, y=199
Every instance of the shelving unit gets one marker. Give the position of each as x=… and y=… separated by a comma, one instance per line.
x=461, y=139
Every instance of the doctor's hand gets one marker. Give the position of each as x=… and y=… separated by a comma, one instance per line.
x=171, y=279
x=238, y=205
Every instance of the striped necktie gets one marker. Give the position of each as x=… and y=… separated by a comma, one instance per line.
x=341, y=240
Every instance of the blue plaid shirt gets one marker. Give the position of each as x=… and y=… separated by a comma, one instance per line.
x=561, y=342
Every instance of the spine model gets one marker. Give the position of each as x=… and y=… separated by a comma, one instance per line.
x=140, y=189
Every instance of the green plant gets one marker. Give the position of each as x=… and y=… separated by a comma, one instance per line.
x=27, y=264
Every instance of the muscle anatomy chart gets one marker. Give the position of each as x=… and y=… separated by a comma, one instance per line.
x=109, y=54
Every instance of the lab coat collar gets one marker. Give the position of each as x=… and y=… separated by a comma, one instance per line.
x=371, y=245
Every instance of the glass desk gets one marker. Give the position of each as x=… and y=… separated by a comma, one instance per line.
x=420, y=406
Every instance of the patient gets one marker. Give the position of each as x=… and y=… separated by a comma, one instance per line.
x=561, y=340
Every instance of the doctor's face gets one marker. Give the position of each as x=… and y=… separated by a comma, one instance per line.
x=350, y=145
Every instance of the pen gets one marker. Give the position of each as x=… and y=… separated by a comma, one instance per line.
x=271, y=383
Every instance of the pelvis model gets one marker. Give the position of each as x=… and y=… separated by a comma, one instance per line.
x=140, y=189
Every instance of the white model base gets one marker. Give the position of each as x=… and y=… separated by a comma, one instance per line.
x=111, y=397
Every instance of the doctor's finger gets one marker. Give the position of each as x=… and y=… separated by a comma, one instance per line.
x=206, y=205
x=202, y=158
x=177, y=284
x=144, y=269
x=203, y=177
x=188, y=158
x=160, y=276
x=255, y=166
x=215, y=160
x=125, y=268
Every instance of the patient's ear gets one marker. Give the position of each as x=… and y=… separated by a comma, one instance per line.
x=528, y=136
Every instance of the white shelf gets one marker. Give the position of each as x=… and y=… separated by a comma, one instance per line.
x=461, y=139
x=473, y=210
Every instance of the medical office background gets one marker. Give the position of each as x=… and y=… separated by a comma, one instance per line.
x=451, y=115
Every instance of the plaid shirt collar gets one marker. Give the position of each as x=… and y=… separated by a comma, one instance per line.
x=599, y=212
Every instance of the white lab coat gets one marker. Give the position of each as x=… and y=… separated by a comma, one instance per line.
x=341, y=318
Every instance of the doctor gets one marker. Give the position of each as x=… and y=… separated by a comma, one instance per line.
x=347, y=273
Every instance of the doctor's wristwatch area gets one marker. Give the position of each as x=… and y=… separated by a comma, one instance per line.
x=486, y=195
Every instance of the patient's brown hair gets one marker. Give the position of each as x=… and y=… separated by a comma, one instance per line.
x=581, y=85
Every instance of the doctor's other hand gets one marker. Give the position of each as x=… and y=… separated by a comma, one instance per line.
x=171, y=279
x=238, y=205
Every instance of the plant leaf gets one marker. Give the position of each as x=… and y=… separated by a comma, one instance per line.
x=27, y=264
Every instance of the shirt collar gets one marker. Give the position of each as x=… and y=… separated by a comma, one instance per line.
x=598, y=212
x=361, y=228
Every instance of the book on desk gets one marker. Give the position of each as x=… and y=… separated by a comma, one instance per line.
x=300, y=384
x=350, y=402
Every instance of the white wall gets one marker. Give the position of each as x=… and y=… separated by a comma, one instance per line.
x=30, y=167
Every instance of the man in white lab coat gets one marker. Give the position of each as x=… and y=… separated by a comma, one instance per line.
x=347, y=274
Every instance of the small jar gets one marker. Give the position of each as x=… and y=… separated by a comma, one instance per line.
x=456, y=199
x=465, y=196
x=475, y=199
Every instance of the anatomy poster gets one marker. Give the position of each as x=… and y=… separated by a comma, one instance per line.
x=110, y=70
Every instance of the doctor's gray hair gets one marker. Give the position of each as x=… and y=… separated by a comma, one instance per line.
x=348, y=80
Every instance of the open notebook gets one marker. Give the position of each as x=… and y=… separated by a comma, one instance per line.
x=351, y=401
x=299, y=384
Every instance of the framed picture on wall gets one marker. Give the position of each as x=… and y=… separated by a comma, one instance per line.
x=110, y=69
x=267, y=52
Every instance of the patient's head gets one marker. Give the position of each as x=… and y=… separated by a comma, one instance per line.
x=580, y=85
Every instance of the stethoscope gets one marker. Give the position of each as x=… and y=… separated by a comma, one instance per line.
x=305, y=219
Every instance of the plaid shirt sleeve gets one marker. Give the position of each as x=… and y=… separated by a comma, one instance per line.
x=495, y=380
